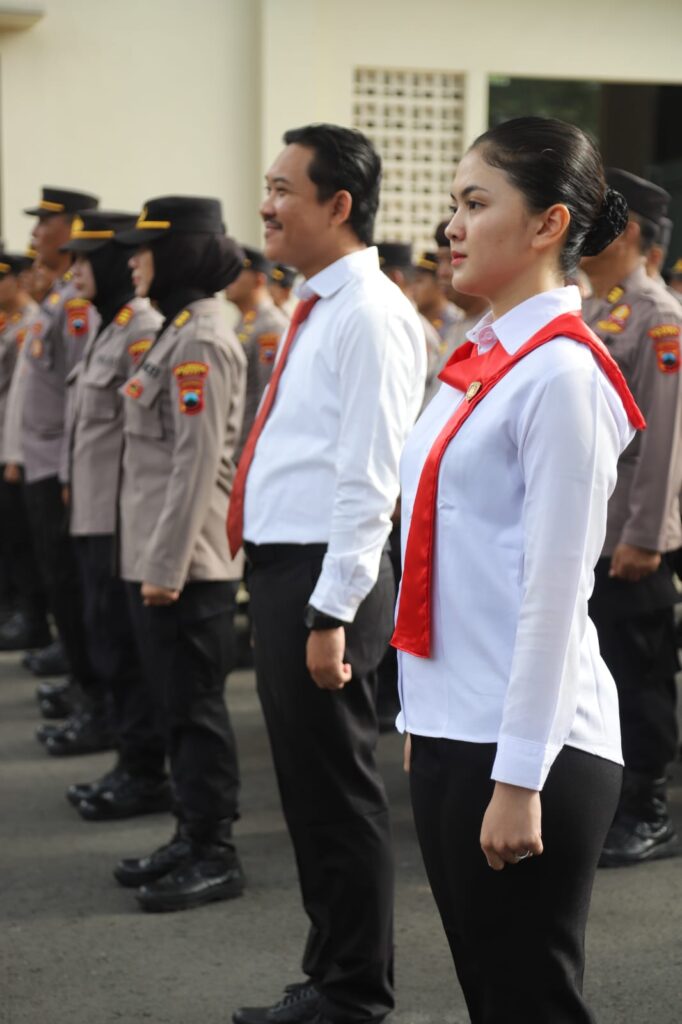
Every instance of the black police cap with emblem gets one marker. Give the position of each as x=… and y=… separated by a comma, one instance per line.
x=427, y=261
x=395, y=254
x=441, y=239
x=14, y=263
x=643, y=197
x=62, y=200
x=665, y=233
x=93, y=229
x=175, y=214
x=282, y=275
x=254, y=259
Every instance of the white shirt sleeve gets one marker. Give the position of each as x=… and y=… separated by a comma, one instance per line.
x=381, y=369
x=568, y=443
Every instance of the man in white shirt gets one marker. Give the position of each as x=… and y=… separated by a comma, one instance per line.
x=318, y=490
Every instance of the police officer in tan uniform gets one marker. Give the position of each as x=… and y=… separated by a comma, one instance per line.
x=183, y=413
x=93, y=450
x=431, y=300
x=28, y=627
x=54, y=348
x=632, y=603
x=281, y=280
x=259, y=328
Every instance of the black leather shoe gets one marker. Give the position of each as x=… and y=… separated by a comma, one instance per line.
x=642, y=829
x=202, y=878
x=51, y=661
x=17, y=634
x=47, y=730
x=49, y=691
x=127, y=797
x=79, y=791
x=299, y=1003
x=81, y=735
x=135, y=871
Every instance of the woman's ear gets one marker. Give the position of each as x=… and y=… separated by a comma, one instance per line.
x=553, y=225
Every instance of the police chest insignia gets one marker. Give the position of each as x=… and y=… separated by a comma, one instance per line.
x=616, y=320
x=182, y=318
x=473, y=390
x=124, y=316
x=267, y=348
x=138, y=349
x=615, y=294
x=54, y=298
x=134, y=388
x=77, y=317
x=666, y=339
x=191, y=378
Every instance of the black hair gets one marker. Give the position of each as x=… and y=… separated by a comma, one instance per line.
x=551, y=161
x=344, y=160
x=190, y=266
x=113, y=283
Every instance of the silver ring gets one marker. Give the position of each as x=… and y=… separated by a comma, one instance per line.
x=523, y=856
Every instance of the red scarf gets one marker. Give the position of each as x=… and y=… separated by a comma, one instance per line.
x=476, y=376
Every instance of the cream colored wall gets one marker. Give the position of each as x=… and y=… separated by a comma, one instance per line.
x=311, y=46
x=131, y=99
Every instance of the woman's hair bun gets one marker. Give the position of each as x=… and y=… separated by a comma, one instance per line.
x=609, y=223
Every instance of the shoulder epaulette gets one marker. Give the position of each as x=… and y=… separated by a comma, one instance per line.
x=615, y=294
x=182, y=318
x=124, y=316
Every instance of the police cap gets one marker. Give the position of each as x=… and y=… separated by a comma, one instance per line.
x=174, y=215
x=643, y=197
x=395, y=254
x=93, y=229
x=62, y=200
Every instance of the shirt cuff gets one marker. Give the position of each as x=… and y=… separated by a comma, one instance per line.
x=163, y=576
x=332, y=599
x=642, y=539
x=523, y=762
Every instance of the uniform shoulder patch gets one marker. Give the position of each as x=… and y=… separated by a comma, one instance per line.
x=267, y=348
x=138, y=349
x=77, y=317
x=134, y=388
x=191, y=377
x=124, y=316
x=666, y=339
x=182, y=318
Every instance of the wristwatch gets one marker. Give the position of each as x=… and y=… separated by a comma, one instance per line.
x=314, y=619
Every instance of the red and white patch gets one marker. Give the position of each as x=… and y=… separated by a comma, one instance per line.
x=77, y=317
x=666, y=339
x=267, y=348
x=134, y=388
x=191, y=378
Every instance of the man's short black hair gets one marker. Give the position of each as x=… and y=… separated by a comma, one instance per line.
x=344, y=160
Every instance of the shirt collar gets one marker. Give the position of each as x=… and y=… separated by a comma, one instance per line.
x=523, y=321
x=330, y=280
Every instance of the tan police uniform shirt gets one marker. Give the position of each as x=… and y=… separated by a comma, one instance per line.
x=259, y=330
x=95, y=415
x=433, y=360
x=12, y=336
x=641, y=324
x=446, y=324
x=55, y=344
x=183, y=414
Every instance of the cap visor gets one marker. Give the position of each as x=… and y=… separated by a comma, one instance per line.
x=138, y=236
x=84, y=244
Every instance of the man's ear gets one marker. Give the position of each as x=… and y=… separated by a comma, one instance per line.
x=341, y=206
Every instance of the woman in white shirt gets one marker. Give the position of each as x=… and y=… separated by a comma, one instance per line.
x=515, y=749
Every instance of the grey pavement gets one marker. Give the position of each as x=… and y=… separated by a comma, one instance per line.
x=74, y=949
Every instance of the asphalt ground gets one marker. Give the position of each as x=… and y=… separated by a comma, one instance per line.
x=74, y=948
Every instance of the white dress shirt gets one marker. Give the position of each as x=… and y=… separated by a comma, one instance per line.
x=520, y=523
x=325, y=469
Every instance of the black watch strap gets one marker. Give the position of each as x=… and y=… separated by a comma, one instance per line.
x=314, y=619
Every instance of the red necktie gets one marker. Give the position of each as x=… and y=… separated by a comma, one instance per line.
x=235, y=515
x=475, y=375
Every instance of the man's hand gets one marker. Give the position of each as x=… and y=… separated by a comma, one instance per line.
x=66, y=495
x=324, y=658
x=633, y=564
x=511, y=826
x=12, y=473
x=407, y=753
x=158, y=596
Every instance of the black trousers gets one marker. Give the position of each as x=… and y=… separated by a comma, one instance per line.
x=186, y=650
x=323, y=746
x=516, y=936
x=636, y=628
x=113, y=654
x=22, y=576
x=49, y=520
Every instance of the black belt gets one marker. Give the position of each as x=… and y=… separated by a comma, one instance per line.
x=268, y=554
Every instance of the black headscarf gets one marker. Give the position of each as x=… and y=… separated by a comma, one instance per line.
x=112, y=280
x=190, y=266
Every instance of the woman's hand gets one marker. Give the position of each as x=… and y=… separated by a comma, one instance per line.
x=511, y=829
x=407, y=752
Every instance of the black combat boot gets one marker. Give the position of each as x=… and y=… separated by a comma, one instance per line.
x=211, y=872
x=85, y=733
x=135, y=871
x=79, y=791
x=300, y=1003
x=18, y=633
x=50, y=661
x=642, y=830
x=127, y=796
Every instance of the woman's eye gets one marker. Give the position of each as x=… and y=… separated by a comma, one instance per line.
x=453, y=210
x=472, y=204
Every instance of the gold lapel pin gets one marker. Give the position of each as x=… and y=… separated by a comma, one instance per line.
x=473, y=390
